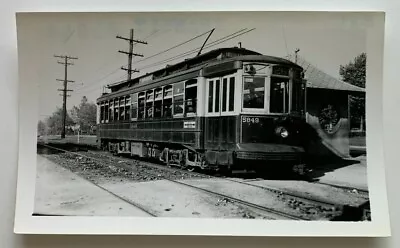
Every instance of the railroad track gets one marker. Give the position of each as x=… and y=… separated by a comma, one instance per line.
x=364, y=193
x=268, y=211
x=137, y=205
x=325, y=204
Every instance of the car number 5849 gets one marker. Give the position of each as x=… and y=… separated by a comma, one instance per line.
x=246, y=119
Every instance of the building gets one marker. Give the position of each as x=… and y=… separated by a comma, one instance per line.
x=328, y=111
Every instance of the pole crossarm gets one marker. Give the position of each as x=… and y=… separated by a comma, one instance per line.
x=131, y=40
x=132, y=70
x=62, y=80
x=134, y=54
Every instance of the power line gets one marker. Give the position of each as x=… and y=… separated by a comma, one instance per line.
x=65, y=89
x=178, y=45
x=211, y=44
x=114, y=71
x=130, y=53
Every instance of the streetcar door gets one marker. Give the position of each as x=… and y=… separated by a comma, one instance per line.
x=220, y=122
x=212, y=114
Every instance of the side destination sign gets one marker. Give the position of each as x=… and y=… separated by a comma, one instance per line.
x=189, y=124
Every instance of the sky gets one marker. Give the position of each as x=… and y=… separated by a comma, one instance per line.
x=326, y=40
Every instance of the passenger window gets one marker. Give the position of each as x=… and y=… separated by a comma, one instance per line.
x=167, y=101
x=178, y=98
x=122, y=108
x=231, y=93
x=134, y=106
x=279, y=102
x=158, y=103
x=217, y=87
x=141, y=103
x=224, y=93
x=116, y=109
x=191, y=97
x=101, y=112
x=111, y=110
x=149, y=104
x=167, y=91
x=210, y=96
x=167, y=107
x=253, y=92
x=178, y=104
x=128, y=108
x=106, y=111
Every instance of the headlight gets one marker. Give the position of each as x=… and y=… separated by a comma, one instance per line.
x=281, y=131
x=284, y=133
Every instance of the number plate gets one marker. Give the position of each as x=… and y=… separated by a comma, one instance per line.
x=250, y=119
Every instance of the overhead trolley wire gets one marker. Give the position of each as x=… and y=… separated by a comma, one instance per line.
x=154, y=55
x=169, y=49
x=211, y=44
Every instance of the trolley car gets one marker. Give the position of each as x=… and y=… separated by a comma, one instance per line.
x=227, y=108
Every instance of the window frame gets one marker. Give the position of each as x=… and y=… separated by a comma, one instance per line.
x=177, y=95
x=134, y=101
x=141, y=95
x=191, y=83
x=228, y=83
x=151, y=101
x=263, y=110
x=165, y=90
x=289, y=96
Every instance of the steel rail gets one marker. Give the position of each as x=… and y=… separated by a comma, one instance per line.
x=299, y=197
x=108, y=191
x=234, y=199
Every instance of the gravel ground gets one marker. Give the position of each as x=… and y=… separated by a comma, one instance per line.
x=279, y=202
x=58, y=191
x=171, y=201
x=118, y=173
x=106, y=170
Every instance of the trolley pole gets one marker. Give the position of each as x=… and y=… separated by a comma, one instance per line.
x=65, y=89
x=130, y=53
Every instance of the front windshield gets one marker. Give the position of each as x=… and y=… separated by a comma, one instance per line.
x=253, y=92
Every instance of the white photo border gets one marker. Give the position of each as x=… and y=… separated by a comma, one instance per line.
x=25, y=223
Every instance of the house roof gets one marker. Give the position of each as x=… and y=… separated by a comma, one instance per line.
x=319, y=79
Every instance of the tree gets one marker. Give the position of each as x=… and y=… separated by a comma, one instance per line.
x=85, y=115
x=54, y=122
x=41, y=128
x=355, y=73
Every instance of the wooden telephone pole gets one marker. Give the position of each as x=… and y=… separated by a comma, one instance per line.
x=130, y=53
x=65, y=89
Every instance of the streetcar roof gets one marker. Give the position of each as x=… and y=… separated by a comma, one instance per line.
x=211, y=57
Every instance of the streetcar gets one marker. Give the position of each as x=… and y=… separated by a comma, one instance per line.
x=225, y=109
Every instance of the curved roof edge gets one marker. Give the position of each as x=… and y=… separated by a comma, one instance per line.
x=316, y=78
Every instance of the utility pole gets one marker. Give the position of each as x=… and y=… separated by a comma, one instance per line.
x=65, y=89
x=295, y=53
x=130, y=53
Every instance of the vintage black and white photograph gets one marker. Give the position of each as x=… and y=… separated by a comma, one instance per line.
x=215, y=115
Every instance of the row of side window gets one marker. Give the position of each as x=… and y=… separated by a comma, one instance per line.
x=175, y=100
